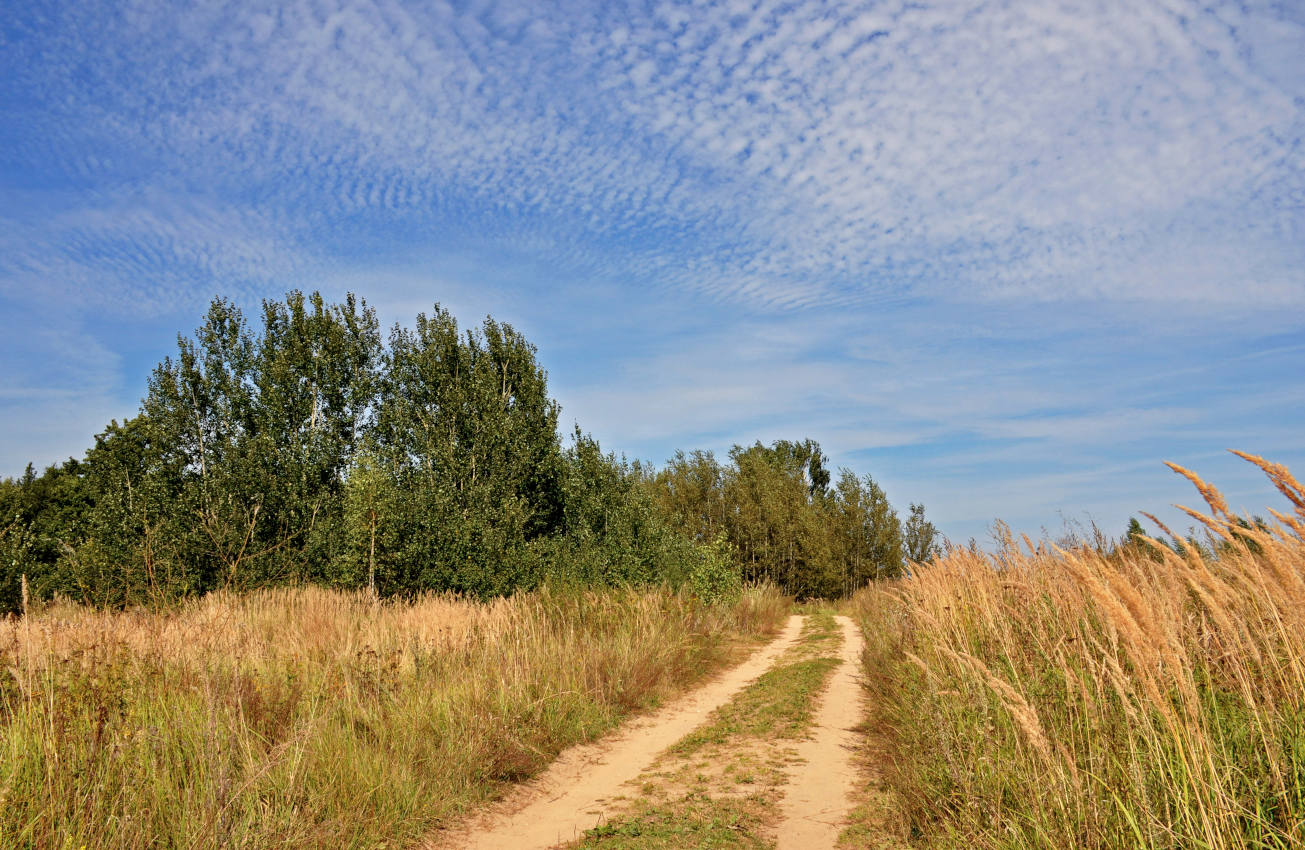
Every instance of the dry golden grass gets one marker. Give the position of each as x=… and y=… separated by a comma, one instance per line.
x=269, y=626
x=1136, y=697
x=312, y=718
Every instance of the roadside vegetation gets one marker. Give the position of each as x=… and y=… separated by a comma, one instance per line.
x=1149, y=694
x=330, y=587
x=317, y=718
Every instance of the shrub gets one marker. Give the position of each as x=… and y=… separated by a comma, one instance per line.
x=714, y=576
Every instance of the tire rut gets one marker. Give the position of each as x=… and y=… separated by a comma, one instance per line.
x=569, y=797
x=818, y=797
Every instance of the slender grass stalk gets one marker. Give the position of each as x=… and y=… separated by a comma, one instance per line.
x=311, y=718
x=1141, y=696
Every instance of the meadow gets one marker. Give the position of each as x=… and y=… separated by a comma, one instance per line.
x=1148, y=694
x=305, y=717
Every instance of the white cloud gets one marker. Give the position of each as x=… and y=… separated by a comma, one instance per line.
x=799, y=152
x=877, y=211
x=141, y=253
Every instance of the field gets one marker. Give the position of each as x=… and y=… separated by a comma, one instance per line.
x=1131, y=697
x=1106, y=694
x=311, y=718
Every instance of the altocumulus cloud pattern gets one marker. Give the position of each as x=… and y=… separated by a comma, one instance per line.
x=758, y=157
x=779, y=153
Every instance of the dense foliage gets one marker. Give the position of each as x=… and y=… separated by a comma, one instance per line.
x=314, y=451
x=776, y=507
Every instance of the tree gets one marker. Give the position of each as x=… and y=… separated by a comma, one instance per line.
x=781, y=518
x=868, y=530
x=305, y=449
x=921, y=536
x=199, y=419
x=770, y=517
x=369, y=502
x=466, y=427
x=691, y=494
x=254, y=433
x=315, y=373
x=139, y=538
x=15, y=543
x=41, y=518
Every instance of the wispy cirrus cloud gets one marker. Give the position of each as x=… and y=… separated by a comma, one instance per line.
x=140, y=253
x=957, y=241
x=767, y=153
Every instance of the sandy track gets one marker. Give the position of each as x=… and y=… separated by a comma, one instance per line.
x=818, y=797
x=568, y=798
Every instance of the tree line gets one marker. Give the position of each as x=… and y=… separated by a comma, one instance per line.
x=786, y=523
x=318, y=449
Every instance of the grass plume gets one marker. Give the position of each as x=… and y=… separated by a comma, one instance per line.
x=1144, y=695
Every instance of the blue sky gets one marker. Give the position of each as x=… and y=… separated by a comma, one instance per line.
x=1005, y=257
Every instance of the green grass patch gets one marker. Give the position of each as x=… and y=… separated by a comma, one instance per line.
x=695, y=820
x=777, y=704
x=780, y=702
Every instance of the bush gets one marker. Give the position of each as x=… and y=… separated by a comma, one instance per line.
x=715, y=576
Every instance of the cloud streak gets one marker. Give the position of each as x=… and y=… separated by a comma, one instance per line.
x=764, y=153
x=954, y=240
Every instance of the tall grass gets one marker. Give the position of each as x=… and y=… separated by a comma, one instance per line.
x=311, y=718
x=1088, y=697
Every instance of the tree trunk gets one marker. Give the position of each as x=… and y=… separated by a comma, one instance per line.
x=371, y=559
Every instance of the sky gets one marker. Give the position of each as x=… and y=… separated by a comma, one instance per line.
x=1005, y=257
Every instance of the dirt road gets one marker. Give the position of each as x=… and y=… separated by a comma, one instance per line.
x=817, y=800
x=578, y=791
x=567, y=799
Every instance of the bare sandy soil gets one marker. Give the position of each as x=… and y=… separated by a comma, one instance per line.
x=571, y=796
x=818, y=799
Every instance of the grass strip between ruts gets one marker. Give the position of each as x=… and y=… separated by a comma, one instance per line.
x=719, y=786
